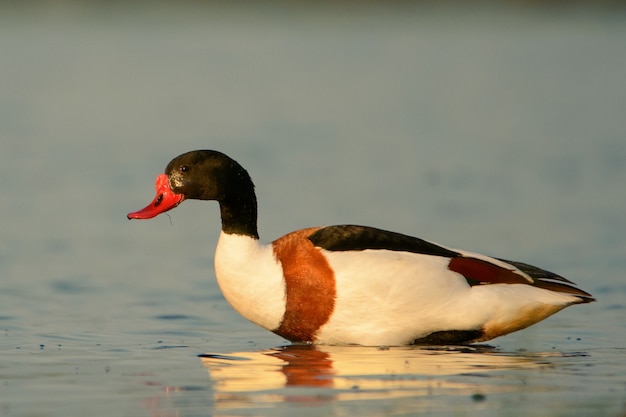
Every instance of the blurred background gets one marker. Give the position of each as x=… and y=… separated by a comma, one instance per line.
x=436, y=120
x=497, y=127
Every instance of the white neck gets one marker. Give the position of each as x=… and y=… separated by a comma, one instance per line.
x=251, y=279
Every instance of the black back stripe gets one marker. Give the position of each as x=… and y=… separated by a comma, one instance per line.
x=358, y=238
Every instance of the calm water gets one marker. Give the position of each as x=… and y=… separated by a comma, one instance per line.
x=497, y=131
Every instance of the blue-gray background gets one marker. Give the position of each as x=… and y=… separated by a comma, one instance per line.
x=495, y=129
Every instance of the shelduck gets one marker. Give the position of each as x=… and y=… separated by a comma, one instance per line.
x=352, y=284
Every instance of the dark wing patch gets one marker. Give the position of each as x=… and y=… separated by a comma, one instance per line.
x=450, y=337
x=357, y=238
x=584, y=296
x=534, y=272
x=478, y=271
x=551, y=281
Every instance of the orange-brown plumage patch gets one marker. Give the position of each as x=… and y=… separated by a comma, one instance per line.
x=477, y=271
x=309, y=286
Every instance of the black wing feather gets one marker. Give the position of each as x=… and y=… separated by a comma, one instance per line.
x=357, y=238
x=551, y=281
x=535, y=272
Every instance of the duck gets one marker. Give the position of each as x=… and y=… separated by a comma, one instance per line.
x=356, y=285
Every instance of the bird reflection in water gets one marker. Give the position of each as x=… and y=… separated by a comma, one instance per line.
x=323, y=374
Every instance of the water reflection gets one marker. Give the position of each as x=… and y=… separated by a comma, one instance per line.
x=325, y=374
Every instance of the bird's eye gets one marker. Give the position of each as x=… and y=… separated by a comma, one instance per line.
x=184, y=168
